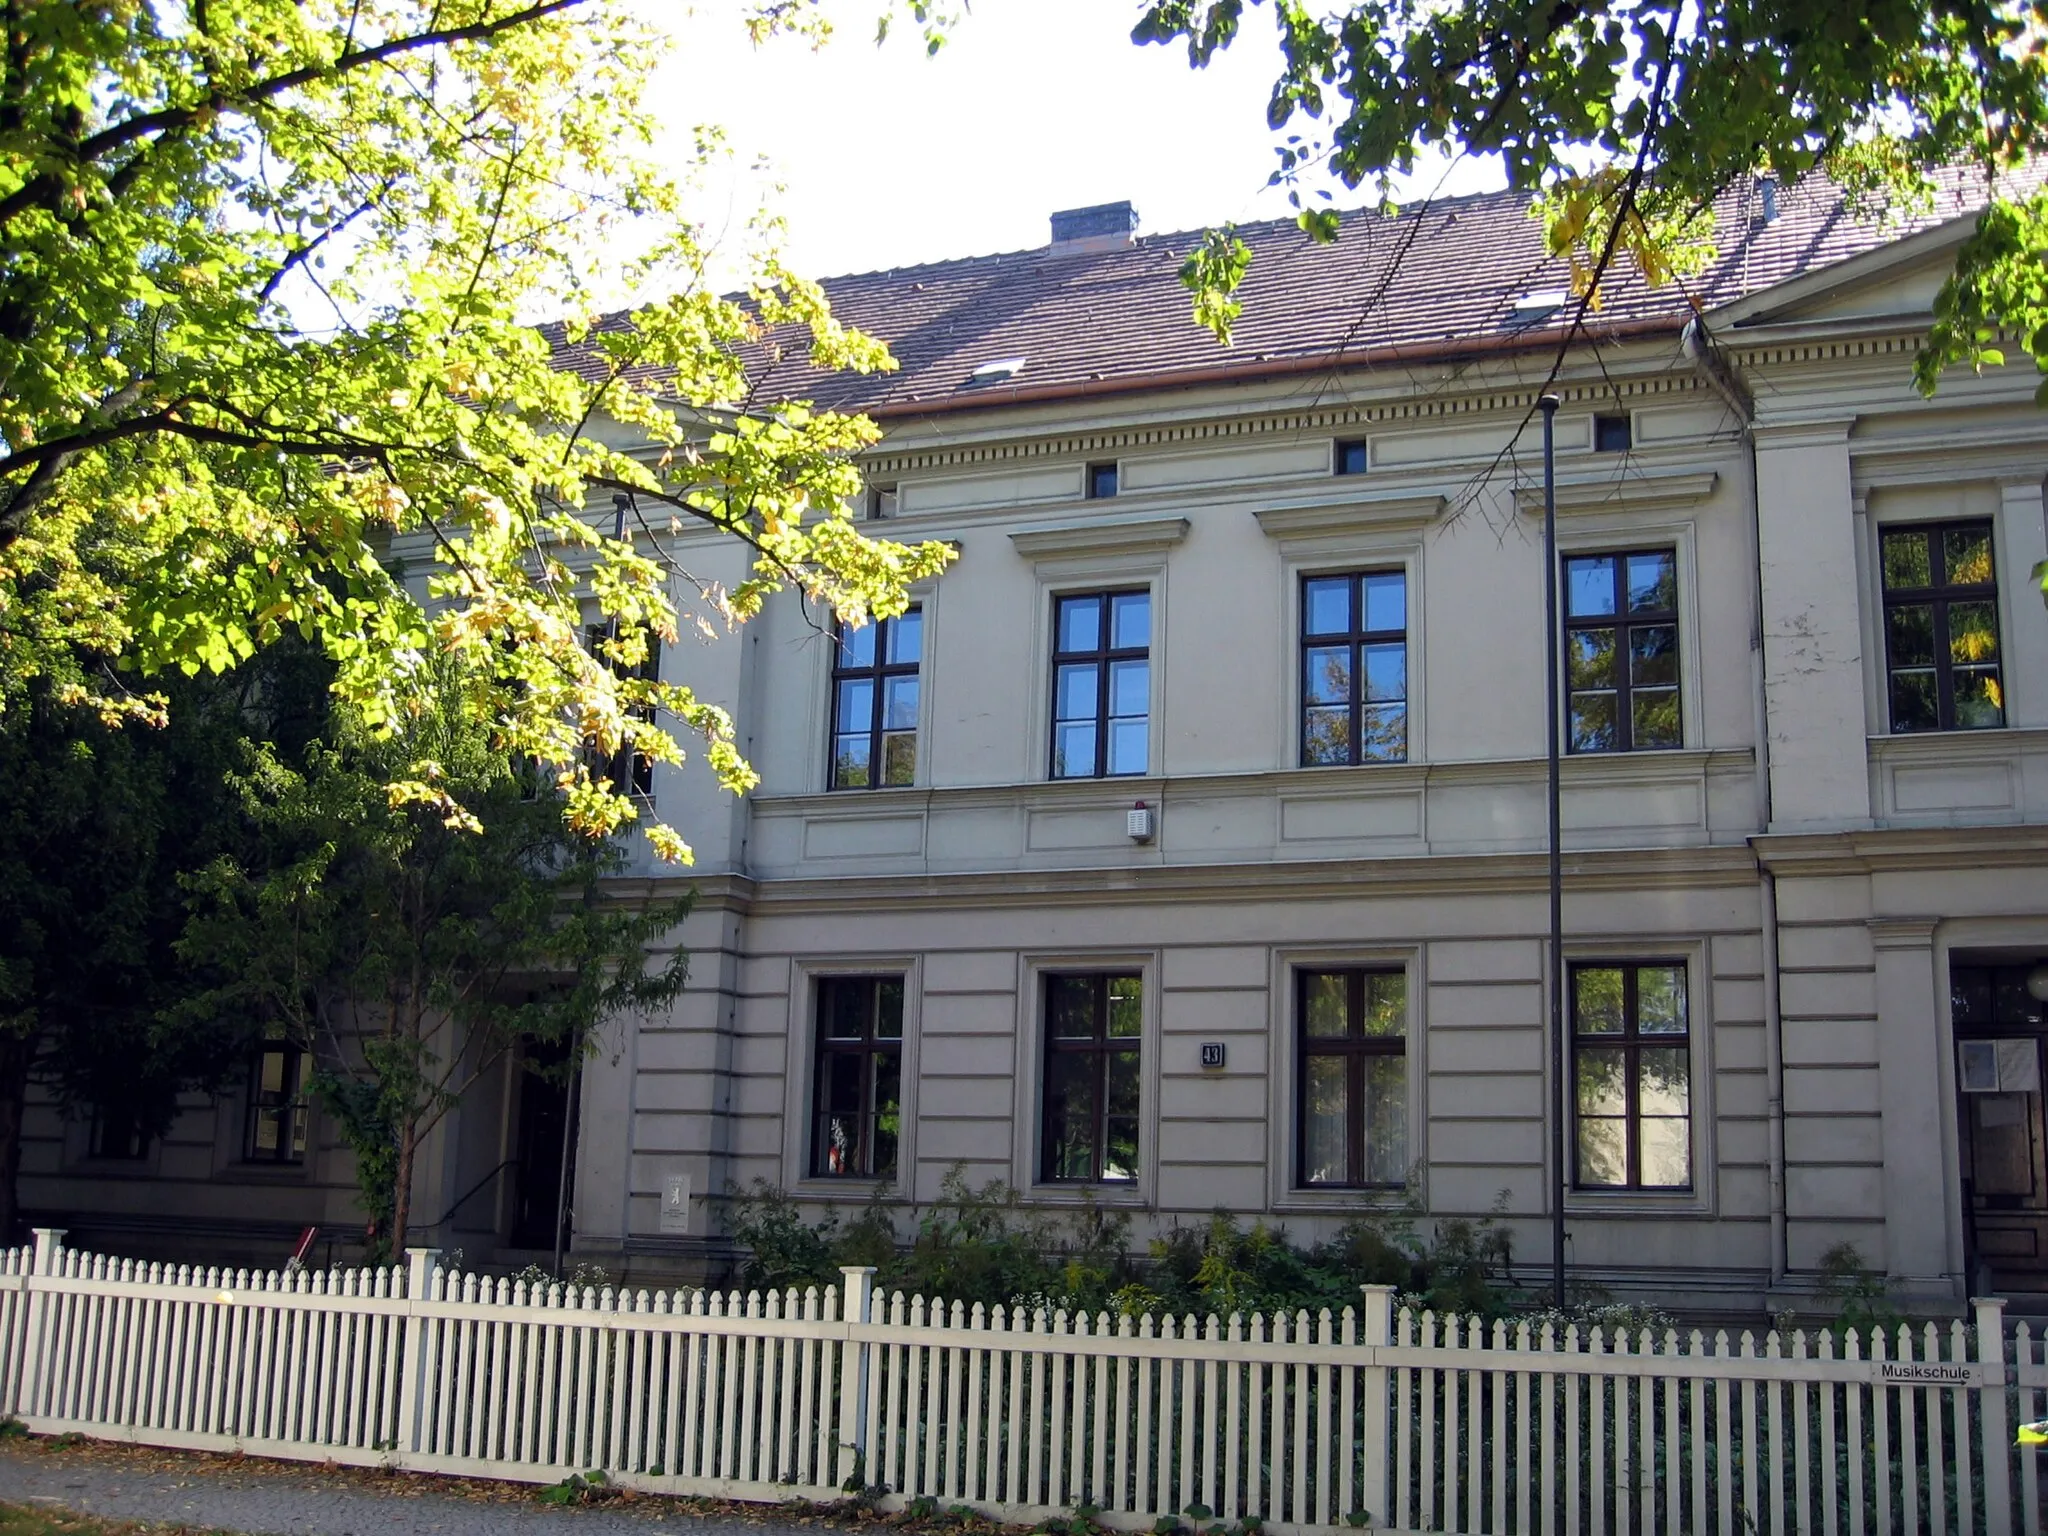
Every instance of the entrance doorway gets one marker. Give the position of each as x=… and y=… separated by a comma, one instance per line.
x=1999, y=1034
x=539, y=1145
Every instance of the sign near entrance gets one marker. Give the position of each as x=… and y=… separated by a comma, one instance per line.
x=675, y=1203
x=1927, y=1373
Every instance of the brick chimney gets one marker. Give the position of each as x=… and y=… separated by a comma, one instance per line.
x=1087, y=231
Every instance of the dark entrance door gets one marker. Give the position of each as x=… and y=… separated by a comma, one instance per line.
x=537, y=1167
x=1999, y=1036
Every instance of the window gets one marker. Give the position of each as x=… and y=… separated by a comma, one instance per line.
x=627, y=771
x=1101, y=684
x=1632, y=1067
x=1351, y=457
x=1101, y=481
x=874, y=701
x=857, y=1111
x=117, y=1134
x=1351, y=1034
x=882, y=502
x=1621, y=650
x=1612, y=434
x=277, y=1105
x=1941, y=628
x=1092, y=1025
x=1354, y=668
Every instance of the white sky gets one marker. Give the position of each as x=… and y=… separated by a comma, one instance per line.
x=890, y=158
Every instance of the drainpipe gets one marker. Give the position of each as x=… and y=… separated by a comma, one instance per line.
x=1715, y=371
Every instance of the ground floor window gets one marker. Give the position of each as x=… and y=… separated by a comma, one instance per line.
x=1632, y=1076
x=117, y=1134
x=277, y=1105
x=1351, y=1039
x=1090, y=1090
x=857, y=1111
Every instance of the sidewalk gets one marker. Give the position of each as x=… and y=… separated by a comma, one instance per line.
x=267, y=1498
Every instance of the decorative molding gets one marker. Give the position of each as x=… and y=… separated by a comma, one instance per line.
x=1634, y=491
x=1133, y=536
x=1362, y=514
x=1902, y=932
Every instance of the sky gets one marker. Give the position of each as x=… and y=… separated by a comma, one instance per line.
x=889, y=158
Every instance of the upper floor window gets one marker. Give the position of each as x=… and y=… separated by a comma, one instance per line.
x=1941, y=627
x=627, y=771
x=874, y=701
x=1613, y=434
x=117, y=1134
x=883, y=501
x=1090, y=1090
x=1101, y=684
x=1632, y=1071
x=1101, y=481
x=856, y=1099
x=277, y=1105
x=1352, y=1070
x=1354, y=668
x=1621, y=650
x=1350, y=456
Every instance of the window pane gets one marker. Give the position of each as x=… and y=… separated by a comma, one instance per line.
x=1123, y=1084
x=1904, y=558
x=1664, y=1081
x=1653, y=655
x=899, y=704
x=1914, y=706
x=1126, y=1005
x=1980, y=702
x=270, y=1074
x=839, y=1090
x=1597, y=1000
x=856, y=646
x=850, y=762
x=1383, y=733
x=906, y=638
x=1120, y=1162
x=1129, y=687
x=298, y=1133
x=846, y=1008
x=1386, y=1003
x=1652, y=582
x=1323, y=996
x=1909, y=633
x=1326, y=675
x=1325, y=1118
x=1326, y=735
x=266, y=1136
x=1074, y=696
x=1667, y=1153
x=899, y=758
x=1592, y=722
x=1386, y=601
x=1590, y=659
x=1073, y=1007
x=1080, y=624
x=1386, y=1119
x=1070, y=1116
x=1653, y=718
x=1966, y=555
x=1127, y=746
x=1602, y=1081
x=1130, y=624
x=888, y=1114
x=856, y=704
x=1589, y=586
x=1386, y=672
x=1972, y=633
x=1603, y=1152
x=1326, y=606
x=1073, y=751
x=1970, y=996
x=889, y=1009
x=1660, y=999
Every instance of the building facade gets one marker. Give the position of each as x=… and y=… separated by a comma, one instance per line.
x=1185, y=846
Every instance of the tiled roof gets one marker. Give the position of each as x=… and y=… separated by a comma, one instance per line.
x=1430, y=282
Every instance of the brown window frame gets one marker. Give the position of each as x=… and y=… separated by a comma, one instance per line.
x=1356, y=638
x=871, y=1045
x=1623, y=621
x=1938, y=596
x=288, y=1105
x=1631, y=1042
x=1104, y=657
x=879, y=673
x=629, y=772
x=1356, y=1048
x=1098, y=1048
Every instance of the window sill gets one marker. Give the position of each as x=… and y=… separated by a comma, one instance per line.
x=1078, y=1193
x=1636, y=1202
x=1349, y=1200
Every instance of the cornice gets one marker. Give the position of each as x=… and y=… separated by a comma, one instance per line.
x=1902, y=850
x=1359, y=514
x=1127, y=536
x=1636, y=491
x=1902, y=932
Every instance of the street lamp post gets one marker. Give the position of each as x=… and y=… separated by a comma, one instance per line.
x=1559, y=1087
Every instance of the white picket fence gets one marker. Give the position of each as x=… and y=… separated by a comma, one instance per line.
x=1417, y=1423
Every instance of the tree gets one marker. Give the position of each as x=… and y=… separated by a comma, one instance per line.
x=1626, y=118
x=268, y=277
x=407, y=956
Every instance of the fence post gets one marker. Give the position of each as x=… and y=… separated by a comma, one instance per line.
x=1377, y=1332
x=1991, y=1414
x=853, y=1374
x=421, y=1262
x=48, y=1259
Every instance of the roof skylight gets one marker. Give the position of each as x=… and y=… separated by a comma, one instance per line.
x=995, y=372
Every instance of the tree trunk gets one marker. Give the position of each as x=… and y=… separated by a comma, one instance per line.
x=401, y=1193
x=17, y=1053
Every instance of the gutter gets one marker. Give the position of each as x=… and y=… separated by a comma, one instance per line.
x=1719, y=376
